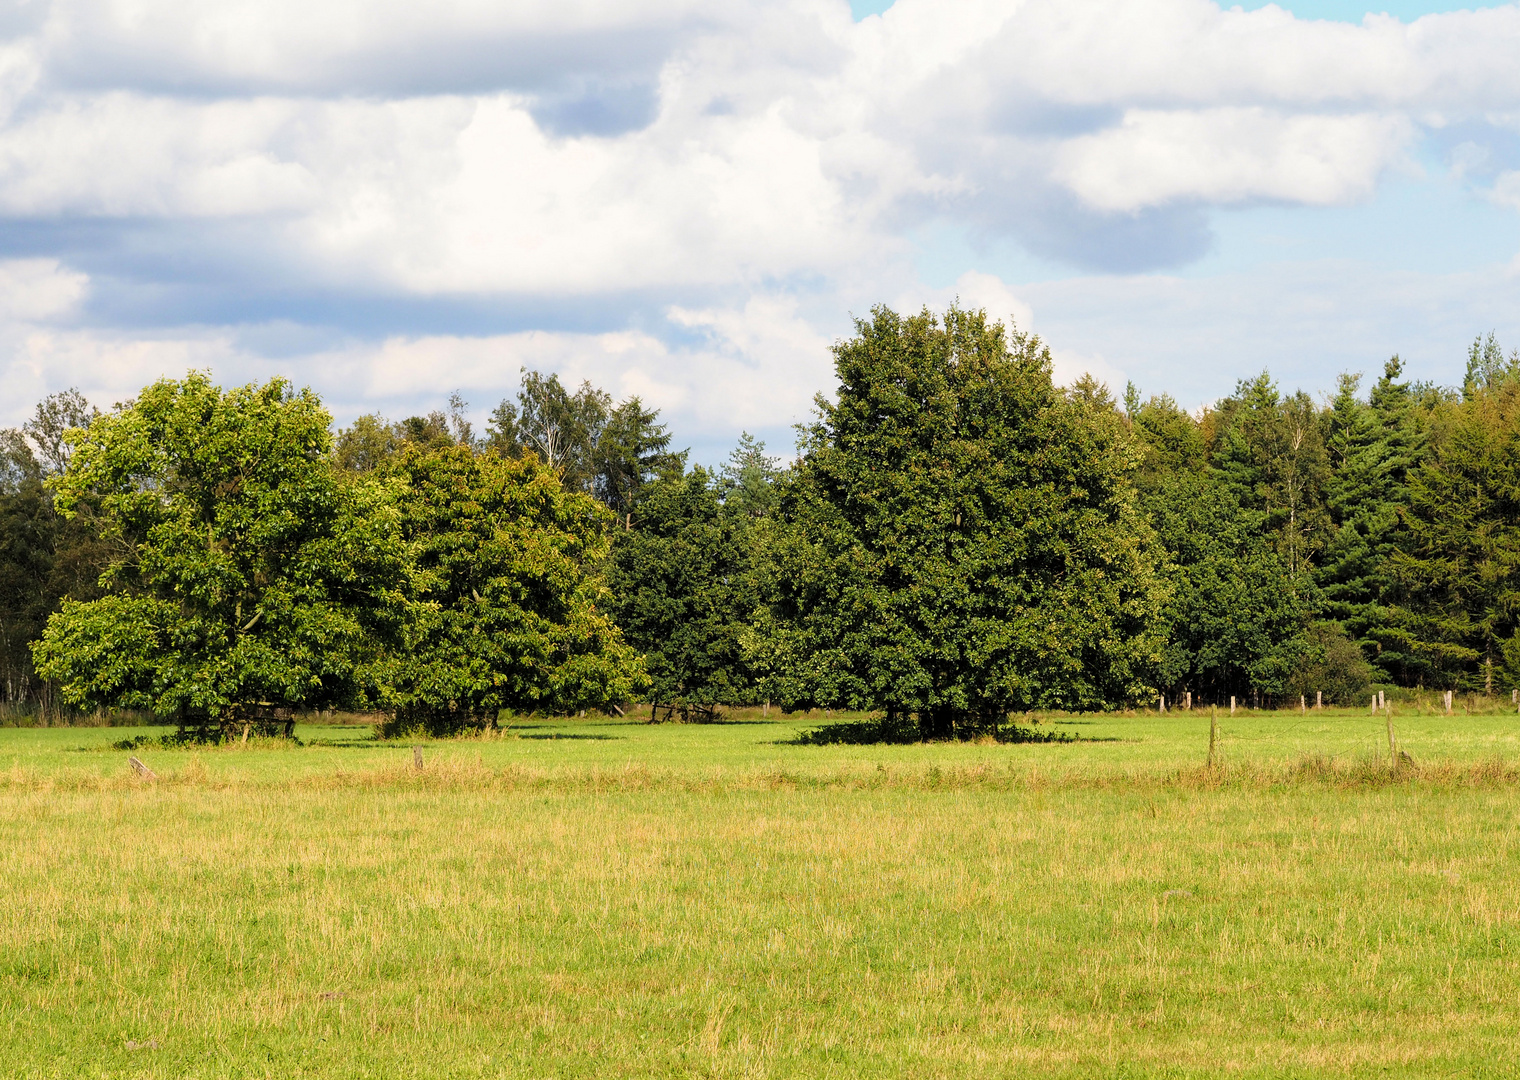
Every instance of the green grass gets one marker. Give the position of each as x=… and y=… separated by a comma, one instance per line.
x=607, y=898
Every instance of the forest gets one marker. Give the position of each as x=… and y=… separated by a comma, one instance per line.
x=956, y=541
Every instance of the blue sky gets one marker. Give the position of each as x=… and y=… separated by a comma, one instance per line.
x=690, y=203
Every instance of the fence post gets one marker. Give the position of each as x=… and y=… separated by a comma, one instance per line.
x=1161, y=704
x=1189, y=701
x=1232, y=704
x=416, y=757
x=1393, y=746
x=1373, y=708
x=1319, y=700
x=1448, y=703
x=1303, y=705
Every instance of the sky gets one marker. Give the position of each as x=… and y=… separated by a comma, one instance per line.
x=690, y=202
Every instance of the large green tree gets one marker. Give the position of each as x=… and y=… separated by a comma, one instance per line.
x=44, y=557
x=683, y=588
x=246, y=580
x=1458, y=571
x=959, y=538
x=505, y=606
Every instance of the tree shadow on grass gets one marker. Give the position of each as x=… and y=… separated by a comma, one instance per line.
x=878, y=730
x=562, y=735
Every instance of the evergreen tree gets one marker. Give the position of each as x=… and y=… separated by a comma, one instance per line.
x=1270, y=453
x=1458, y=572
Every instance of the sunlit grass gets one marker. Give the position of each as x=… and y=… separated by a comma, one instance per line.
x=629, y=900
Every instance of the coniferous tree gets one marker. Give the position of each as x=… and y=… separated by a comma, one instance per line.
x=1458, y=572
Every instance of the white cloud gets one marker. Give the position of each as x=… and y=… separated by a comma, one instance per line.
x=718, y=185
x=39, y=289
x=1227, y=156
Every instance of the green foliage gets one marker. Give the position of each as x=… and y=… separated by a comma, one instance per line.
x=682, y=588
x=1171, y=439
x=43, y=557
x=1488, y=368
x=1372, y=446
x=591, y=445
x=504, y=609
x=1236, y=613
x=1269, y=451
x=245, y=577
x=1458, y=573
x=1331, y=664
x=959, y=538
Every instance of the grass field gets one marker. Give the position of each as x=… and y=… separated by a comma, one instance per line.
x=599, y=898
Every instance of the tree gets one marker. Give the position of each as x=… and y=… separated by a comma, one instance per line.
x=1171, y=440
x=682, y=589
x=1458, y=572
x=43, y=557
x=1270, y=451
x=248, y=581
x=366, y=443
x=1236, y=615
x=504, y=607
x=561, y=428
x=1487, y=367
x=631, y=449
x=748, y=481
x=959, y=538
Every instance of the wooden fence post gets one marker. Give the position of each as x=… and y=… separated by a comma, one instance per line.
x=1189, y=701
x=1319, y=700
x=416, y=757
x=1393, y=746
x=1161, y=704
x=1232, y=704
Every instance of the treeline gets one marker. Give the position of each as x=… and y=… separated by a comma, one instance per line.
x=956, y=540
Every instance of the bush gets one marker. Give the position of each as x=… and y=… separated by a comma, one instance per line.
x=1331, y=663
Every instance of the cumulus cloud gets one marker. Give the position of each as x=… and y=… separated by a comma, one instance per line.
x=714, y=186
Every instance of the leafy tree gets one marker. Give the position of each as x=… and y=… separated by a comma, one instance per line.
x=247, y=580
x=1171, y=440
x=43, y=557
x=959, y=538
x=682, y=589
x=560, y=427
x=1236, y=614
x=366, y=443
x=1330, y=663
x=504, y=608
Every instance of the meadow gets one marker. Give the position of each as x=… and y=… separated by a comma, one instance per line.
x=602, y=897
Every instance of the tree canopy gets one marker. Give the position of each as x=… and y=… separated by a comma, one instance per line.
x=959, y=538
x=245, y=578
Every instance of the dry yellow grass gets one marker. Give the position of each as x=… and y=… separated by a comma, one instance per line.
x=647, y=909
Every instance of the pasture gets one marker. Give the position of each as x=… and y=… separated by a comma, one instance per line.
x=603, y=898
